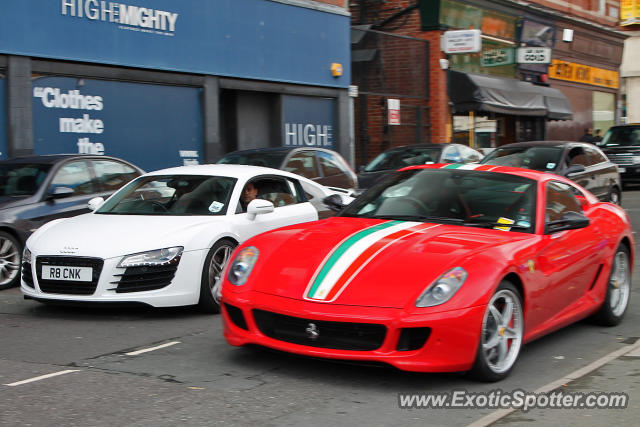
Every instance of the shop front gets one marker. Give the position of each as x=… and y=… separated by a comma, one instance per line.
x=164, y=83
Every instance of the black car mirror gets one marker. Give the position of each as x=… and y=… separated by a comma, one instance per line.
x=60, y=193
x=334, y=202
x=569, y=221
x=574, y=169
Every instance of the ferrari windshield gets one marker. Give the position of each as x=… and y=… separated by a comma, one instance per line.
x=398, y=159
x=172, y=195
x=540, y=158
x=451, y=196
x=21, y=179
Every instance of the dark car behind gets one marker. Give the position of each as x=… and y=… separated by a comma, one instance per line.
x=621, y=144
x=417, y=154
x=581, y=162
x=38, y=189
x=324, y=166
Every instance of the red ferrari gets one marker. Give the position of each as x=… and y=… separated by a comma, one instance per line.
x=436, y=268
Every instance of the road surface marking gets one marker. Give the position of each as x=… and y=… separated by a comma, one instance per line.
x=42, y=377
x=501, y=413
x=145, y=350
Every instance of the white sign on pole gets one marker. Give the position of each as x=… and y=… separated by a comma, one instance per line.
x=461, y=41
x=393, y=107
x=533, y=55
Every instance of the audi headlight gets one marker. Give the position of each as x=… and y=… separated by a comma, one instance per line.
x=242, y=265
x=26, y=254
x=443, y=288
x=152, y=258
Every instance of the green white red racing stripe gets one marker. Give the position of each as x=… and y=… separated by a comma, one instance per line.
x=474, y=167
x=351, y=255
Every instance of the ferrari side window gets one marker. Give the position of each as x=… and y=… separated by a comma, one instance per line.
x=560, y=199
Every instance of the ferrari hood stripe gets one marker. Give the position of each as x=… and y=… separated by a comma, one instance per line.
x=351, y=255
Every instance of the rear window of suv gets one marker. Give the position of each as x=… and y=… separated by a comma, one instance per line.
x=622, y=136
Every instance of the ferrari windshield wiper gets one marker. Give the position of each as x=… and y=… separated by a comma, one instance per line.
x=496, y=224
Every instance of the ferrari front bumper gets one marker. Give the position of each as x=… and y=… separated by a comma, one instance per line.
x=296, y=326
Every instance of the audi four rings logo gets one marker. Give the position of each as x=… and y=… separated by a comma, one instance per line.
x=312, y=331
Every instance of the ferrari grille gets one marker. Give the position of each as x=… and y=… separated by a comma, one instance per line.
x=320, y=333
x=147, y=278
x=70, y=287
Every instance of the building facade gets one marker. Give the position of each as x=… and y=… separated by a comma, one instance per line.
x=500, y=94
x=164, y=83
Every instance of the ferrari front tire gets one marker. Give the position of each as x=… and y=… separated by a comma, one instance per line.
x=216, y=259
x=501, y=335
x=616, y=299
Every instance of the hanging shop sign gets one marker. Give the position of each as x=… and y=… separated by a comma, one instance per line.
x=497, y=56
x=533, y=55
x=153, y=126
x=629, y=12
x=580, y=73
x=307, y=121
x=461, y=41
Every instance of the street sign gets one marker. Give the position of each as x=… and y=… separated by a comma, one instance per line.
x=393, y=106
x=461, y=41
x=497, y=56
x=533, y=55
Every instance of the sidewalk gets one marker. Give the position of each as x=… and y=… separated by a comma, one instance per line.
x=618, y=373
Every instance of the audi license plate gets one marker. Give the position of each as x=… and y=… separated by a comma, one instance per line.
x=79, y=274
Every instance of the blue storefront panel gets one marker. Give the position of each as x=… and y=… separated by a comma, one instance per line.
x=255, y=39
x=153, y=126
x=3, y=119
x=307, y=121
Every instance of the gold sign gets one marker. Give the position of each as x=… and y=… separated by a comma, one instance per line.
x=629, y=12
x=579, y=73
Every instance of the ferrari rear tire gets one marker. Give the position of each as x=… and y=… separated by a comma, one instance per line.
x=618, y=292
x=10, y=261
x=501, y=335
x=216, y=259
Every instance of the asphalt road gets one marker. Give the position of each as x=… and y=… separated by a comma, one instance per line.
x=195, y=378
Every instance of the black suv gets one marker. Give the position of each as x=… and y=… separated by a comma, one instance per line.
x=622, y=145
x=581, y=162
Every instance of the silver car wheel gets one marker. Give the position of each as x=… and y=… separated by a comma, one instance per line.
x=218, y=261
x=9, y=261
x=619, y=283
x=502, y=330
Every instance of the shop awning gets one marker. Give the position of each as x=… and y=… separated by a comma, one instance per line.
x=478, y=92
x=558, y=107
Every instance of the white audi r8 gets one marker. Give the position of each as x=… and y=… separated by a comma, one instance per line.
x=163, y=239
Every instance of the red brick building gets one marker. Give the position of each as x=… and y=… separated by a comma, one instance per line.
x=490, y=99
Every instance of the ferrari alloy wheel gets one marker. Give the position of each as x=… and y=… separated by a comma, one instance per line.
x=212, y=273
x=501, y=335
x=618, y=289
x=10, y=258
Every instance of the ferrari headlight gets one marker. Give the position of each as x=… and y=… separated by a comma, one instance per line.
x=242, y=265
x=26, y=254
x=443, y=288
x=152, y=258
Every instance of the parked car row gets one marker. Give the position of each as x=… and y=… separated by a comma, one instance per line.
x=248, y=240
